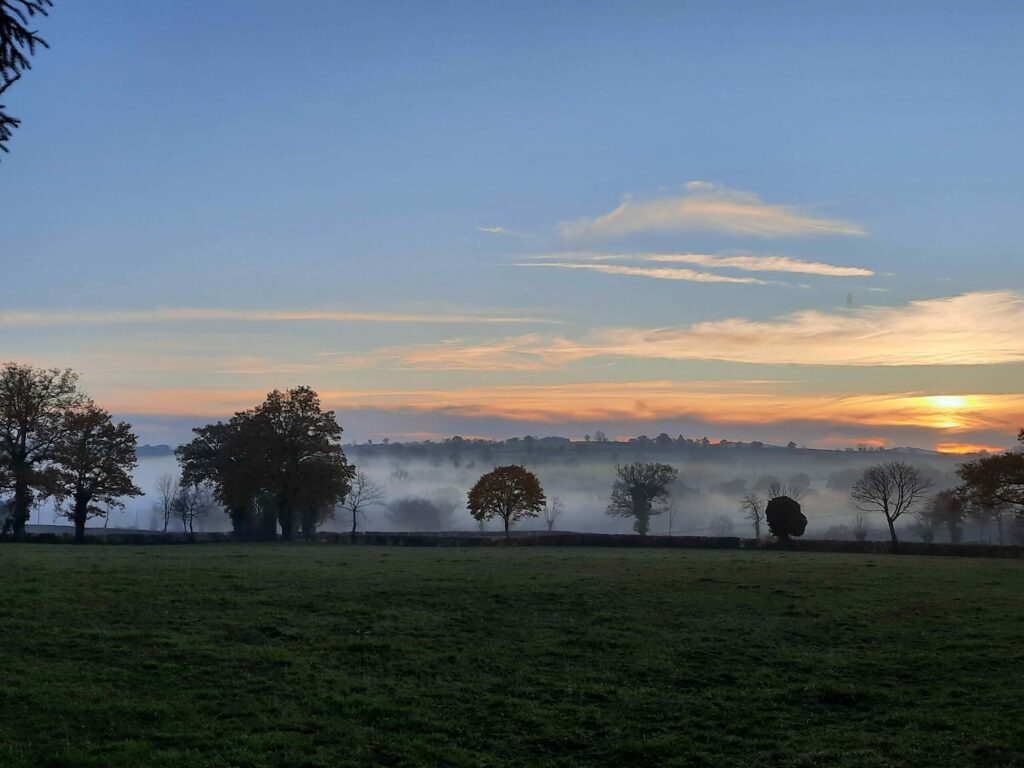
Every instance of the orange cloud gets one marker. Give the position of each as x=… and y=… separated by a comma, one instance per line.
x=707, y=206
x=967, y=448
x=980, y=328
x=658, y=273
x=726, y=402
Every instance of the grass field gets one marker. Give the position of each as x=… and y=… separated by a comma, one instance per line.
x=255, y=655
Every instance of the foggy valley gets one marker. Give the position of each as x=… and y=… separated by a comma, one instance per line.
x=706, y=498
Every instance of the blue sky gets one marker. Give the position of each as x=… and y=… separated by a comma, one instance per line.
x=254, y=167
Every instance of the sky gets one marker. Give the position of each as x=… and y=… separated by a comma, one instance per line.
x=753, y=221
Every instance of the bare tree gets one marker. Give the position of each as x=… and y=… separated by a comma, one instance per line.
x=892, y=488
x=860, y=527
x=777, y=489
x=753, y=508
x=671, y=509
x=365, y=493
x=167, y=487
x=194, y=500
x=553, y=509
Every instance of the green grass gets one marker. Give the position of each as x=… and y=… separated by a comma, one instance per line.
x=257, y=655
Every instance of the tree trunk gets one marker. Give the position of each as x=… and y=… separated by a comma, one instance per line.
x=507, y=537
x=81, y=514
x=641, y=511
x=355, y=520
x=285, y=517
x=22, y=499
x=267, y=525
x=892, y=534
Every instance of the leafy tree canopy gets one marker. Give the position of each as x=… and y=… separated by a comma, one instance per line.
x=280, y=463
x=511, y=493
x=92, y=465
x=993, y=480
x=785, y=518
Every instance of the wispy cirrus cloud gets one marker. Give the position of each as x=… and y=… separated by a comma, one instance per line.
x=981, y=328
x=529, y=352
x=506, y=232
x=26, y=318
x=745, y=262
x=707, y=206
x=656, y=273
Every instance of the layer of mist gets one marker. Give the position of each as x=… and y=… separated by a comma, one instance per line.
x=425, y=486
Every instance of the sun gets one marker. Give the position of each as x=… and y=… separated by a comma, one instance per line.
x=946, y=402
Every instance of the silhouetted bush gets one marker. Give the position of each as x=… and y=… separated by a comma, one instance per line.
x=785, y=518
x=416, y=514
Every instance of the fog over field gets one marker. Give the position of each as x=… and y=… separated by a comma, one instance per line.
x=712, y=482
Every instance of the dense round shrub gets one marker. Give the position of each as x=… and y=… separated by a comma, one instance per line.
x=785, y=518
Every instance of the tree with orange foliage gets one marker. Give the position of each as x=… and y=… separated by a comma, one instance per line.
x=511, y=493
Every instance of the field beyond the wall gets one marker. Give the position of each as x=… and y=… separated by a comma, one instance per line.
x=306, y=655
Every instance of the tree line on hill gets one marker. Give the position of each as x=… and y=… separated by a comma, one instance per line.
x=279, y=469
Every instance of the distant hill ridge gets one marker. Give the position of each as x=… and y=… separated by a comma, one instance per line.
x=152, y=451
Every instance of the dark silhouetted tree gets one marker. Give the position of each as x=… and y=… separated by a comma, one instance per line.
x=33, y=406
x=639, y=487
x=279, y=464
x=305, y=464
x=511, y=493
x=893, y=489
x=994, y=480
x=91, y=465
x=18, y=43
x=364, y=493
x=785, y=518
x=194, y=500
x=230, y=457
